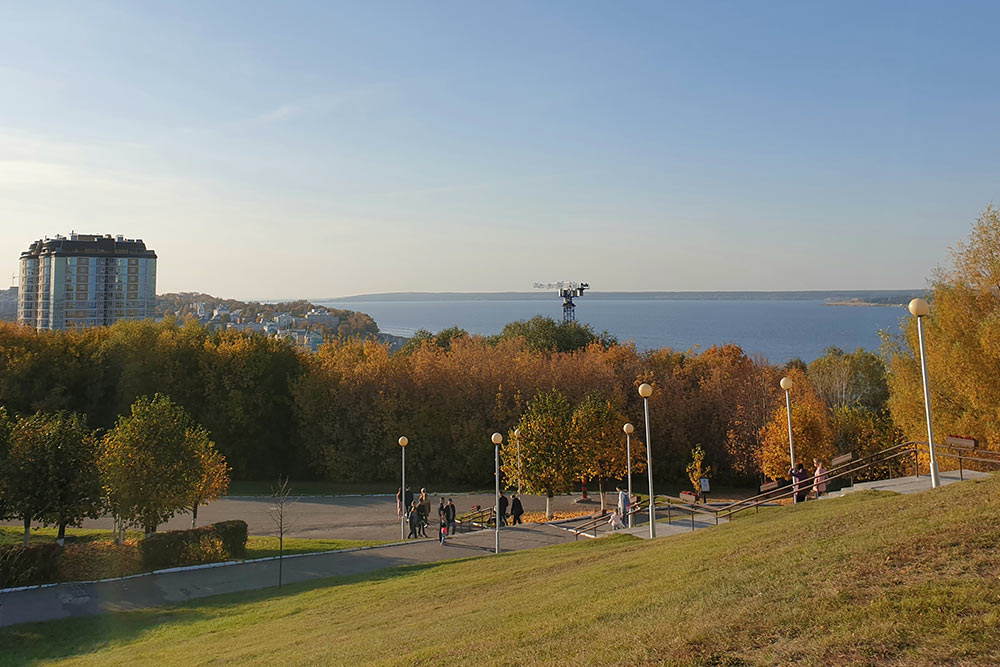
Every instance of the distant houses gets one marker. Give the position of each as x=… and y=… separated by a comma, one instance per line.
x=306, y=332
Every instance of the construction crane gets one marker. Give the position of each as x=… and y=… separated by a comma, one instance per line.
x=568, y=291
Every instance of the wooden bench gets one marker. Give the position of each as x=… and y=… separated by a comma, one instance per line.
x=689, y=497
x=841, y=460
x=961, y=444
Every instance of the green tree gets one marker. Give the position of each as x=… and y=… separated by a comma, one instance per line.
x=6, y=425
x=599, y=441
x=149, y=463
x=849, y=380
x=549, y=461
x=543, y=334
x=52, y=471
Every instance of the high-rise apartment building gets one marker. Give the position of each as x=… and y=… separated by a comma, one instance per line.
x=86, y=280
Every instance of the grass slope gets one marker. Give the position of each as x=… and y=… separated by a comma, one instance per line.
x=870, y=578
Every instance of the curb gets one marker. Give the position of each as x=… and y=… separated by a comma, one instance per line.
x=202, y=566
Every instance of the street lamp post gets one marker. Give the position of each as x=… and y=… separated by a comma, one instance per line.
x=517, y=441
x=646, y=391
x=497, y=439
x=628, y=428
x=919, y=308
x=786, y=384
x=402, y=489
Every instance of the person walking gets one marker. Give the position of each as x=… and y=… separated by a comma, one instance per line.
x=503, y=510
x=623, y=503
x=424, y=509
x=819, y=478
x=449, y=515
x=516, y=510
x=799, y=476
x=413, y=518
x=399, y=504
x=407, y=499
x=442, y=529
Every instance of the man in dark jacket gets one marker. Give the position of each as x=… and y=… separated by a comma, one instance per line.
x=515, y=509
x=449, y=514
x=503, y=510
x=407, y=499
x=414, y=521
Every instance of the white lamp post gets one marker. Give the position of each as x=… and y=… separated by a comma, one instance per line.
x=517, y=441
x=646, y=391
x=786, y=384
x=919, y=308
x=628, y=428
x=497, y=439
x=402, y=490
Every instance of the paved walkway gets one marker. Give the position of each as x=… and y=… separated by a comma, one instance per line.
x=909, y=484
x=66, y=600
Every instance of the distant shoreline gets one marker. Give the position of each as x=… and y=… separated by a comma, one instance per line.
x=833, y=297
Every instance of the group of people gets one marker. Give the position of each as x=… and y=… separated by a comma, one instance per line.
x=417, y=513
x=799, y=476
x=516, y=510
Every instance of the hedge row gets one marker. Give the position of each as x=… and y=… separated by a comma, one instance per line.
x=220, y=541
x=26, y=566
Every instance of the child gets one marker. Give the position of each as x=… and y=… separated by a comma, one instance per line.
x=444, y=530
x=615, y=521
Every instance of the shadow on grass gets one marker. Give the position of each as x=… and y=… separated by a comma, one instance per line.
x=30, y=643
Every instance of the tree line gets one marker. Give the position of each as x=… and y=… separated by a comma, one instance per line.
x=337, y=414
x=155, y=462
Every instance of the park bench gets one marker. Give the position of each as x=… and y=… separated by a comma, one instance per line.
x=843, y=459
x=960, y=445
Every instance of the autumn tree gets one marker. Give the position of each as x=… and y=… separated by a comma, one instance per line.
x=810, y=430
x=6, y=425
x=150, y=464
x=697, y=468
x=549, y=460
x=962, y=340
x=52, y=474
x=856, y=379
x=596, y=430
x=213, y=473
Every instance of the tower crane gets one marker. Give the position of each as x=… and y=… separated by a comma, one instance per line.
x=568, y=290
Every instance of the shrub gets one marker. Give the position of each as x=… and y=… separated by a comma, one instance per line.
x=208, y=544
x=234, y=537
x=25, y=566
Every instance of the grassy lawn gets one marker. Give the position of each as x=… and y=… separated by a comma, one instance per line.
x=869, y=578
x=91, y=553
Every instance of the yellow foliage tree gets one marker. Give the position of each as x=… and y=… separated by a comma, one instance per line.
x=962, y=340
x=810, y=431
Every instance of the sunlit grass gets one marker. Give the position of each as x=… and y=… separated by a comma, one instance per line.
x=869, y=578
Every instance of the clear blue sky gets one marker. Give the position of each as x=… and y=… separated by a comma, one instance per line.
x=326, y=149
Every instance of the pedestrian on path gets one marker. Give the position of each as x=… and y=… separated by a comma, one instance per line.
x=623, y=502
x=516, y=510
x=819, y=478
x=399, y=504
x=407, y=499
x=503, y=509
x=449, y=515
x=443, y=529
x=799, y=476
x=414, y=520
x=424, y=509
x=616, y=521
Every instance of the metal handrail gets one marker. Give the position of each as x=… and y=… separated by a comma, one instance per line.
x=842, y=470
x=484, y=516
x=847, y=469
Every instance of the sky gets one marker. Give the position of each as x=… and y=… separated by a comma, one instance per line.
x=324, y=149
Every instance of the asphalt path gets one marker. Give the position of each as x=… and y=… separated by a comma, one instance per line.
x=340, y=517
x=168, y=587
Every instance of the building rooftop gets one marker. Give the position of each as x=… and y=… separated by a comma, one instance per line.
x=88, y=244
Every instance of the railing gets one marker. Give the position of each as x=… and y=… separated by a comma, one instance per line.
x=481, y=518
x=848, y=470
